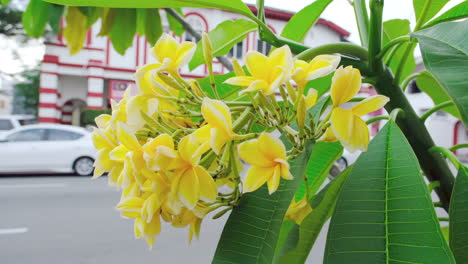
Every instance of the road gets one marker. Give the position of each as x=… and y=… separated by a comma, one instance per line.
x=70, y=219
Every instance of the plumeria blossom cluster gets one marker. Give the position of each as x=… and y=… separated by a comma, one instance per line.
x=178, y=150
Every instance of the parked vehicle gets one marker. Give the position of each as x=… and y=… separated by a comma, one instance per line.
x=9, y=122
x=47, y=148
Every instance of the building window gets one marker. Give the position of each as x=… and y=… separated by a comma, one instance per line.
x=263, y=47
x=238, y=50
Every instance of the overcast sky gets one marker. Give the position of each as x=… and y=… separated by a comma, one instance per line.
x=339, y=11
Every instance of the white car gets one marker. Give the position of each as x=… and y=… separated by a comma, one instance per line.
x=47, y=148
x=9, y=122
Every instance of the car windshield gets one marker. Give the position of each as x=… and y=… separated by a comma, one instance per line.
x=5, y=124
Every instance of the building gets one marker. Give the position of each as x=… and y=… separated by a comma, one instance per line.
x=98, y=73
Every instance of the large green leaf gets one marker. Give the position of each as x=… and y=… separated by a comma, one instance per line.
x=236, y=6
x=153, y=25
x=384, y=213
x=55, y=15
x=445, y=55
x=393, y=29
x=252, y=230
x=35, y=18
x=457, y=12
x=428, y=84
x=298, y=26
x=223, y=37
x=311, y=226
x=321, y=160
x=433, y=8
x=459, y=217
x=123, y=30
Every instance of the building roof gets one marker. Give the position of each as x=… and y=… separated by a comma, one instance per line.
x=283, y=15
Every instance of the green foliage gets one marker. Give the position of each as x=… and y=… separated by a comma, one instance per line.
x=35, y=18
x=88, y=116
x=252, y=230
x=384, y=213
x=459, y=217
x=4, y=2
x=433, y=8
x=448, y=40
x=428, y=84
x=457, y=12
x=297, y=28
x=393, y=29
x=123, y=29
x=56, y=12
x=323, y=204
x=223, y=38
x=10, y=21
x=27, y=91
x=174, y=24
x=236, y=6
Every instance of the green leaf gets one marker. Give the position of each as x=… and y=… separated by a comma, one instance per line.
x=311, y=226
x=92, y=14
x=298, y=26
x=459, y=217
x=223, y=37
x=322, y=85
x=445, y=55
x=457, y=12
x=153, y=26
x=445, y=232
x=252, y=230
x=393, y=29
x=323, y=156
x=75, y=31
x=141, y=21
x=174, y=24
x=5, y=2
x=123, y=29
x=428, y=84
x=55, y=15
x=35, y=18
x=224, y=89
x=434, y=7
x=107, y=16
x=384, y=213
x=236, y=6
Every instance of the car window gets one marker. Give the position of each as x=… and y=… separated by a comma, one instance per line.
x=36, y=134
x=58, y=135
x=24, y=122
x=5, y=124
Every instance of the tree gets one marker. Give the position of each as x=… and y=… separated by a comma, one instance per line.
x=26, y=93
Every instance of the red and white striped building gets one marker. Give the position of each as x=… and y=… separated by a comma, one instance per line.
x=98, y=73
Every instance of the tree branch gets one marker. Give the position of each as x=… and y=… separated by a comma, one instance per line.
x=223, y=60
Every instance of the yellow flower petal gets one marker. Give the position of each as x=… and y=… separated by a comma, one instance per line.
x=188, y=190
x=321, y=66
x=370, y=104
x=281, y=57
x=271, y=147
x=126, y=137
x=218, y=139
x=208, y=188
x=203, y=134
x=311, y=98
x=274, y=180
x=162, y=140
x=165, y=47
x=152, y=228
x=256, y=177
x=360, y=136
x=185, y=53
x=240, y=80
x=257, y=85
x=149, y=207
x=118, y=153
x=329, y=136
x=256, y=64
x=250, y=152
x=346, y=83
x=217, y=114
x=342, y=124
x=102, y=121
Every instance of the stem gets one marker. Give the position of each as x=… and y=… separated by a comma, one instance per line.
x=444, y=219
x=459, y=146
x=187, y=27
x=423, y=15
x=392, y=43
x=343, y=48
x=242, y=120
x=377, y=118
x=449, y=155
x=435, y=109
x=403, y=61
x=375, y=35
x=408, y=79
x=261, y=10
x=362, y=19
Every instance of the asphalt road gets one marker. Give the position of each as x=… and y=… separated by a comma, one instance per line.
x=69, y=219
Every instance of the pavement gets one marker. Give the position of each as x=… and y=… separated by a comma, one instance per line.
x=71, y=219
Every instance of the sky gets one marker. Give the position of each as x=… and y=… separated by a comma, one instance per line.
x=339, y=12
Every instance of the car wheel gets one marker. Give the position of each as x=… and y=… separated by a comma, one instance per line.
x=84, y=166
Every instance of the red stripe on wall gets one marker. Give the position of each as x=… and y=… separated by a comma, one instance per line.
x=48, y=105
x=94, y=107
x=48, y=90
x=95, y=94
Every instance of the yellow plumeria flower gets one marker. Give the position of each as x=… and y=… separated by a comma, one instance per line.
x=311, y=98
x=347, y=125
x=320, y=66
x=267, y=155
x=218, y=131
x=138, y=104
x=268, y=73
x=297, y=211
x=171, y=54
x=192, y=182
x=159, y=152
